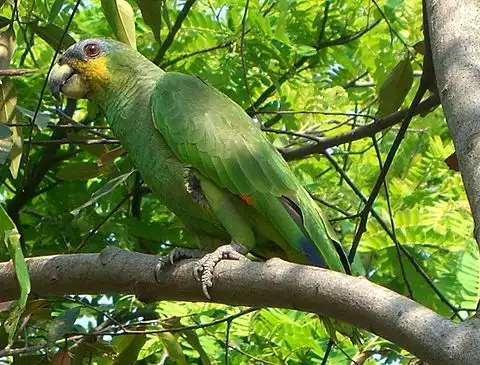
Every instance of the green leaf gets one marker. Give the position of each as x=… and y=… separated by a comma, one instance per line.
x=151, y=346
x=304, y=50
x=468, y=275
x=128, y=348
x=104, y=190
x=281, y=26
x=55, y=10
x=152, y=15
x=395, y=88
x=192, y=338
x=10, y=236
x=121, y=18
x=52, y=34
x=419, y=47
x=63, y=324
x=91, y=346
x=79, y=171
x=174, y=348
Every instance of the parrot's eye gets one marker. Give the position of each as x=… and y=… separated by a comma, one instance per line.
x=92, y=49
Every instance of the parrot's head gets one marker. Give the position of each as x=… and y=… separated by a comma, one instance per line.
x=89, y=66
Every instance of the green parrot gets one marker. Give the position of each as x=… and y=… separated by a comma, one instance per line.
x=203, y=157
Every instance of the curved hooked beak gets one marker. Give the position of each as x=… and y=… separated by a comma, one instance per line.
x=63, y=79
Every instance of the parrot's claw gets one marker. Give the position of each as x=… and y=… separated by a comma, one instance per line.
x=177, y=254
x=203, y=270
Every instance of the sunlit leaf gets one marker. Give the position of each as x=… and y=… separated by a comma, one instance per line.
x=304, y=50
x=128, y=348
x=121, y=18
x=192, y=338
x=174, y=349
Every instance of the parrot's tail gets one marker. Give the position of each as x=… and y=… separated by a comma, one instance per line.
x=304, y=230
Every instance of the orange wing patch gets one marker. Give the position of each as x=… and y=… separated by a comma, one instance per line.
x=246, y=199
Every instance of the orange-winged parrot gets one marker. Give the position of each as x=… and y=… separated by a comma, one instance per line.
x=202, y=156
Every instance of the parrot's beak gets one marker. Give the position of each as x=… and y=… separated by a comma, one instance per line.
x=63, y=79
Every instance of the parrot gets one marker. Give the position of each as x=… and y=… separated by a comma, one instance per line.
x=203, y=157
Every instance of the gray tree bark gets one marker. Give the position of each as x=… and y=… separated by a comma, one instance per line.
x=275, y=283
x=454, y=34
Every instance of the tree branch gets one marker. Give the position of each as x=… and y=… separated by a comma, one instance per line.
x=171, y=35
x=184, y=56
x=275, y=283
x=368, y=130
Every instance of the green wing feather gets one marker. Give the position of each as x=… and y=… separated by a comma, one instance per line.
x=208, y=131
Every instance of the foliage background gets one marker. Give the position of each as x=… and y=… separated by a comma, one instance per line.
x=347, y=61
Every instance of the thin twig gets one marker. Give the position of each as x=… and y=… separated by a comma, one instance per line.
x=16, y=71
x=359, y=133
x=171, y=34
x=102, y=222
x=392, y=223
x=194, y=53
x=328, y=351
x=293, y=112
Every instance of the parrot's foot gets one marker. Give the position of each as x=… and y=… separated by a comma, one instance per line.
x=178, y=253
x=203, y=270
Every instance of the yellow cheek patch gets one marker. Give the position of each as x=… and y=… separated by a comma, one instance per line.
x=95, y=71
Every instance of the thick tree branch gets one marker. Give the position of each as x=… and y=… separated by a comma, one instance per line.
x=455, y=34
x=275, y=283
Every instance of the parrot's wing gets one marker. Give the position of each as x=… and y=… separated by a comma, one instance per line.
x=208, y=131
